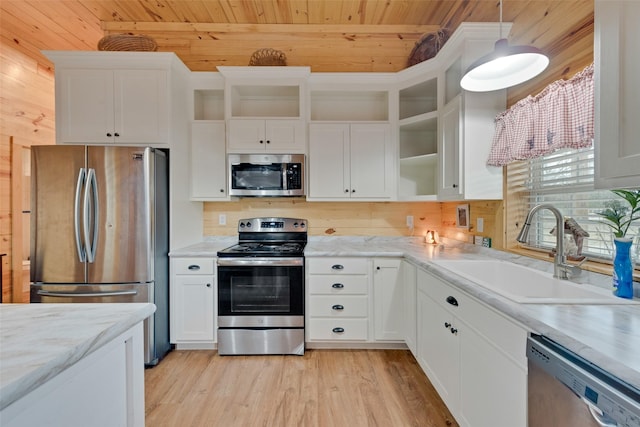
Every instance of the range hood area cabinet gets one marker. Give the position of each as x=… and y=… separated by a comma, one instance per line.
x=617, y=94
x=116, y=97
x=265, y=109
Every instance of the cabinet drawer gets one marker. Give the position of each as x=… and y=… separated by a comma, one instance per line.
x=338, y=306
x=439, y=291
x=338, y=284
x=193, y=266
x=338, y=329
x=337, y=265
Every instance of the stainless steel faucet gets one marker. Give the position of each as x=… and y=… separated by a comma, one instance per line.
x=561, y=270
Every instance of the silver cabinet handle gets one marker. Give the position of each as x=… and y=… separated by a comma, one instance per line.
x=337, y=307
x=194, y=267
x=337, y=267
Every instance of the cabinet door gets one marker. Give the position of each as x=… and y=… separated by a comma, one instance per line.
x=408, y=275
x=329, y=161
x=208, y=161
x=193, y=308
x=617, y=100
x=285, y=136
x=246, y=136
x=141, y=107
x=482, y=367
x=439, y=349
x=388, y=300
x=84, y=106
x=371, y=161
x=450, y=182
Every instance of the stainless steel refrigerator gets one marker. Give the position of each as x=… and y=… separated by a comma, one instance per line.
x=100, y=230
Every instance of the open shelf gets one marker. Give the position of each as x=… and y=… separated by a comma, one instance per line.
x=265, y=101
x=349, y=106
x=208, y=104
x=419, y=99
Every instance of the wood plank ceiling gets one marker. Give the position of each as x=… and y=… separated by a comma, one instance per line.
x=328, y=35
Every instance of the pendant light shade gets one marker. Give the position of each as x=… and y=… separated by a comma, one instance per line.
x=506, y=66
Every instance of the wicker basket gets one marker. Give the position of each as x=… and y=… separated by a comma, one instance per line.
x=268, y=56
x=128, y=42
x=428, y=46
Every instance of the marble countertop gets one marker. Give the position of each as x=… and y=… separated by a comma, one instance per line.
x=606, y=335
x=38, y=341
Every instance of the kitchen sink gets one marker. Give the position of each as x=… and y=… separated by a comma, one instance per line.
x=529, y=286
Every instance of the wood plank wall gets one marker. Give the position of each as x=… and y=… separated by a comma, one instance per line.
x=27, y=112
x=361, y=218
x=27, y=98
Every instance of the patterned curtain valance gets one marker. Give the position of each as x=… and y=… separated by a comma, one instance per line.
x=561, y=116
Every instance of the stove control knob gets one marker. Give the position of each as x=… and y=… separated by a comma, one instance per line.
x=242, y=225
x=248, y=224
x=296, y=225
x=302, y=225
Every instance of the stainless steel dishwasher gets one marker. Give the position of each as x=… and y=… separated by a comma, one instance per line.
x=567, y=390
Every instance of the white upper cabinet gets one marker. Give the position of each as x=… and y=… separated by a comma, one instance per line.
x=467, y=121
x=265, y=108
x=208, y=161
x=114, y=97
x=617, y=94
x=350, y=161
x=444, y=133
x=275, y=136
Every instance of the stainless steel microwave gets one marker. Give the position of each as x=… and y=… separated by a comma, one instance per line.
x=266, y=175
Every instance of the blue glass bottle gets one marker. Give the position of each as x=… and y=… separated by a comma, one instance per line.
x=622, y=268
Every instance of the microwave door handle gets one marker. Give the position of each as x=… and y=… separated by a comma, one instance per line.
x=285, y=184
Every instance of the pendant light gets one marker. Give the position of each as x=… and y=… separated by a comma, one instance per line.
x=506, y=66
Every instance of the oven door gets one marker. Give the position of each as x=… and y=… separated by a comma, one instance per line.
x=260, y=292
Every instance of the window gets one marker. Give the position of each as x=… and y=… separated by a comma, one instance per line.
x=565, y=179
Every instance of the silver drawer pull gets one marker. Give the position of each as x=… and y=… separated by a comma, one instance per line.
x=337, y=307
x=194, y=267
x=338, y=330
x=337, y=267
x=337, y=286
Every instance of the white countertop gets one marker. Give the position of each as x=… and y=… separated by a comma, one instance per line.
x=38, y=341
x=606, y=335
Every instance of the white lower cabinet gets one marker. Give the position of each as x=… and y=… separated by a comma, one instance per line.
x=337, y=299
x=474, y=356
x=193, y=301
x=388, y=300
x=410, y=305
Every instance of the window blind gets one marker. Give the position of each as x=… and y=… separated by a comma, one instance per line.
x=565, y=179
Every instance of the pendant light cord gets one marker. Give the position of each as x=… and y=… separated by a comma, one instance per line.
x=500, y=19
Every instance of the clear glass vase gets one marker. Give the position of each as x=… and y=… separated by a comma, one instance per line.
x=623, y=267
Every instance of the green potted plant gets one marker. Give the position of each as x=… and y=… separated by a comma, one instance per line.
x=620, y=216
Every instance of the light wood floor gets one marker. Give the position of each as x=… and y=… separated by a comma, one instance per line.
x=334, y=388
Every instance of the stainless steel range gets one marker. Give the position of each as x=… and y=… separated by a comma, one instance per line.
x=261, y=288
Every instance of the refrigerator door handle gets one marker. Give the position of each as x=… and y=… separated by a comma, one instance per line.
x=76, y=215
x=91, y=215
x=86, y=294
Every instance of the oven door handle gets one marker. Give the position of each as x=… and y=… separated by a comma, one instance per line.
x=260, y=262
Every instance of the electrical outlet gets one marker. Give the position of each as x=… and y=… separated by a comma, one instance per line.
x=222, y=219
x=410, y=221
x=480, y=225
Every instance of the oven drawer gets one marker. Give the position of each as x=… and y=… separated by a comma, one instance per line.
x=338, y=329
x=338, y=306
x=193, y=266
x=337, y=265
x=338, y=284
